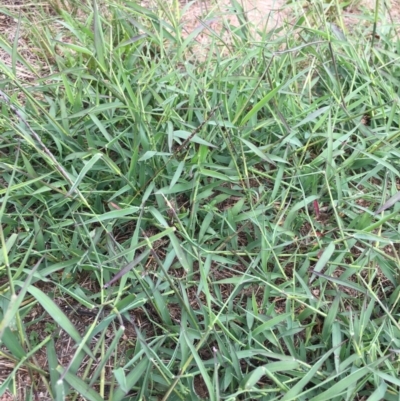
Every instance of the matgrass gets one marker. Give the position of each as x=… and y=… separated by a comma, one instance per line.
x=182, y=223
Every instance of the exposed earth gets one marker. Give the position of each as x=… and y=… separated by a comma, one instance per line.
x=262, y=14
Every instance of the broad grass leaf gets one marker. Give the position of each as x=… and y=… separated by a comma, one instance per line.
x=389, y=378
x=205, y=226
x=114, y=215
x=131, y=40
x=330, y=319
x=8, y=245
x=4, y=386
x=37, y=180
x=16, y=300
x=296, y=207
x=217, y=175
x=99, y=109
x=382, y=161
x=342, y=385
x=150, y=153
x=87, y=167
x=195, y=138
x=337, y=343
x=250, y=381
x=75, y=48
x=121, y=379
x=323, y=260
x=177, y=174
x=14, y=54
x=257, y=151
x=253, y=378
x=200, y=365
x=80, y=386
x=133, y=377
x=180, y=252
x=58, y=316
x=379, y=393
x=270, y=324
x=346, y=283
x=389, y=203
x=371, y=237
x=11, y=342
x=312, y=116
x=60, y=390
x=53, y=362
x=177, y=188
x=258, y=106
x=293, y=393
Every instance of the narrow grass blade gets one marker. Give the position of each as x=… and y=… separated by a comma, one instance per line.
x=270, y=324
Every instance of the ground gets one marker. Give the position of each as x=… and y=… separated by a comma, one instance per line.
x=262, y=13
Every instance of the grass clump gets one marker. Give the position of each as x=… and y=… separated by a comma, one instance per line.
x=182, y=222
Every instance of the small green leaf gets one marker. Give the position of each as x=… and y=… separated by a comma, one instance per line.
x=330, y=319
x=121, y=379
x=193, y=138
x=270, y=324
x=257, y=151
x=341, y=386
x=253, y=378
x=80, y=386
x=260, y=104
x=114, y=214
x=150, y=153
x=87, y=167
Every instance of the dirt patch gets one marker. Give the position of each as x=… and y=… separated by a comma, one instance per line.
x=354, y=16
x=25, y=68
x=210, y=18
x=262, y=14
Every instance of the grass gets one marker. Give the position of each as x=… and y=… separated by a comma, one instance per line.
x=185, y=222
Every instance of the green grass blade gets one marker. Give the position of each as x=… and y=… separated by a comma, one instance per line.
x=58, y=316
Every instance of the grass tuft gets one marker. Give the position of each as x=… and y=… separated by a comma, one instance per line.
x=181, y=221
